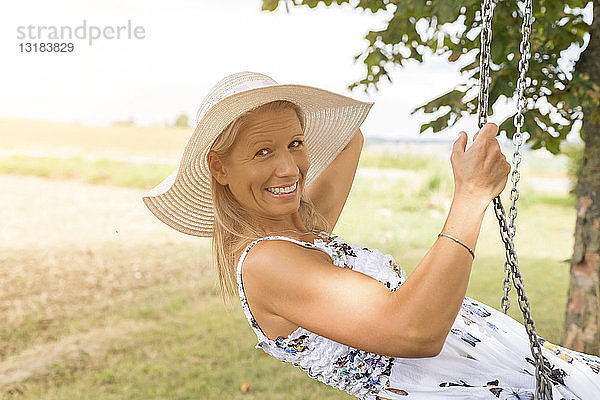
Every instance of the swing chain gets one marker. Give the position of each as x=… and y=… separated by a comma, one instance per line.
x=506, y=286
x=543, y=385
x=518, y=139
x=484, y=60
x=543, y=390
x=521, y=108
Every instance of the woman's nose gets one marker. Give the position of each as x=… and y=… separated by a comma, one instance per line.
x=286, y=164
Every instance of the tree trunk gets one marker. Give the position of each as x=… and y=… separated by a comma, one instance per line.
x=582, y=319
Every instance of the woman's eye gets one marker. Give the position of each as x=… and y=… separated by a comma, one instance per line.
x=260, y=152
x=265, y=151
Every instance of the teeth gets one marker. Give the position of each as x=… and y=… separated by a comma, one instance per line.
x=287, y=189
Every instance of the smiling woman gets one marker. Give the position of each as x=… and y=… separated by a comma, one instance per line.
x=266, y=174
x=262, y=151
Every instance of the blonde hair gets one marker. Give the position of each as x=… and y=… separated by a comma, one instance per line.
x=232, y=232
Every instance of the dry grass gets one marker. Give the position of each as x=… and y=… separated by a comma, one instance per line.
x=69, y=248
x=113, y=141
x=99, y=299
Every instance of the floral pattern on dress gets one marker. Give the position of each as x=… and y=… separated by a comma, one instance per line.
x=401, y=273
x=592, y=363
x=362, y=368
x=507, y=393
x=555, y=349
x=557, y=375
x=399, y=392
x=252, y=320
x=341, y=251
x=292, y=346
x=348, y=255
x=476, y=309
x=513, y=393
x=465, y=336
x=343, y=248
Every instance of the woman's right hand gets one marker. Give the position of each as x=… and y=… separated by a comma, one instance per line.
x=481, y=172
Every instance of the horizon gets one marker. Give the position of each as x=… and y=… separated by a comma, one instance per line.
x=189, y=45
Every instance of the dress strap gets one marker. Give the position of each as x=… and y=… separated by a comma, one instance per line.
x=255, y=327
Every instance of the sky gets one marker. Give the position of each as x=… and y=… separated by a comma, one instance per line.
x=184, y=47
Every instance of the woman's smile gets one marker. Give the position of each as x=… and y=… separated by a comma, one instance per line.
x=283, y=192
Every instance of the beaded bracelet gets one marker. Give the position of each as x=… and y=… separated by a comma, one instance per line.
x=458, y=241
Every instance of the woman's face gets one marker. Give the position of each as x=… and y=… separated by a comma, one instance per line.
x=266, y=168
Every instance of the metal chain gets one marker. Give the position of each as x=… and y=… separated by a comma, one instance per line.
x=518, y=139
x=487, y=12
x=542, y=370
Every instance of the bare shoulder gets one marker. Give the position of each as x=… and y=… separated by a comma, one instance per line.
x=269, y=270
x=267, y=253
x=275, y=263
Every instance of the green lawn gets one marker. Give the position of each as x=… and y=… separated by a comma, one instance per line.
x=173, y=338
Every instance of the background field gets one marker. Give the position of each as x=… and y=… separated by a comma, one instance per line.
x=100, y=300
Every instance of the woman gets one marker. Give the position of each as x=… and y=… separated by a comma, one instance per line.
x=267, y=172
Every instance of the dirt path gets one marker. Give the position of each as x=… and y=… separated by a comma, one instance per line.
x=70, y=247
x=42, y=213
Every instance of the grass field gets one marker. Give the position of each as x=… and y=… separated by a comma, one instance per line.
x=101, y=301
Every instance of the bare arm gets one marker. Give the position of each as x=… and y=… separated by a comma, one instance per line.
x=414, y=320
x=480, y=174
x=434, y=291
x=343, y=305
x=330, y=191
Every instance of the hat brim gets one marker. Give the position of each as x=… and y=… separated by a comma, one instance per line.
x=183, y=200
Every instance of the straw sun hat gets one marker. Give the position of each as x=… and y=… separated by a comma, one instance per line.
x=184, y=199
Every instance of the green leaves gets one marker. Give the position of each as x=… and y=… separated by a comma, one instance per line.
x=556, y=26
x=446, y=12
x=269, y=5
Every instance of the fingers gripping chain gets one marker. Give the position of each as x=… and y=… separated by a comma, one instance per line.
x=507, y=231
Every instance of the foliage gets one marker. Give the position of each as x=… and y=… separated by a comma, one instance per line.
x=182, y=121
x=575, y=164
x=556, y=97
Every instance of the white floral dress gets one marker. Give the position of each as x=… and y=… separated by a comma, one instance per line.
x=486, y=354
